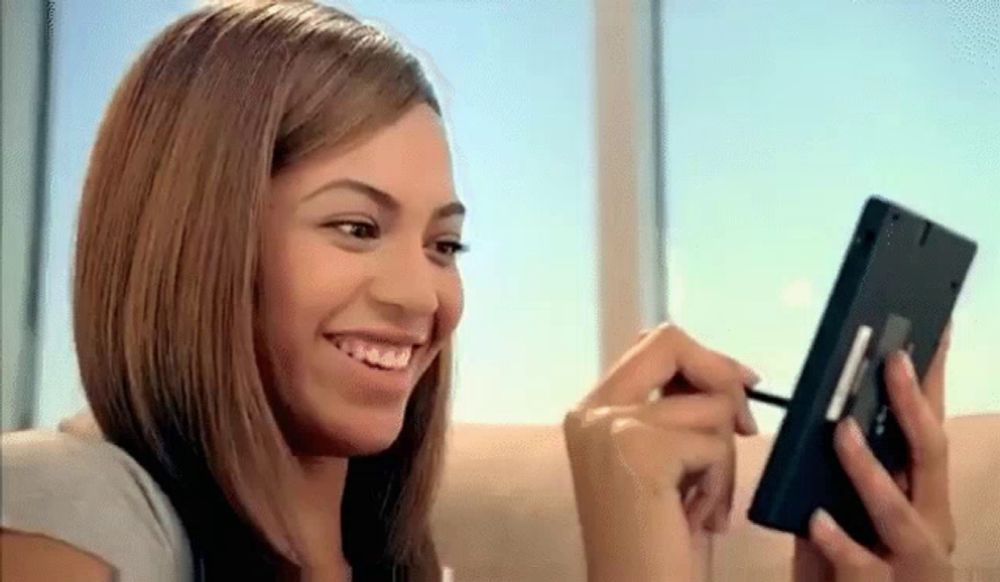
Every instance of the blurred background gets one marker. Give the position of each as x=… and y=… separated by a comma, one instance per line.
x=760, y=129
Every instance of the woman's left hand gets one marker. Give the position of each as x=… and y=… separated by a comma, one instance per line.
x=911, y=513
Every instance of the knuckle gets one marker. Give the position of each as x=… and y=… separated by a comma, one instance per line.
x=666, y=327
x=582, y=416
x=596, y=414
x=668, y=332
x=620, y=426
x=571, y=426
x=574, y=416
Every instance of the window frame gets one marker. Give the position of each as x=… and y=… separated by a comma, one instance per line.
x=27, y=44
x=631, y=197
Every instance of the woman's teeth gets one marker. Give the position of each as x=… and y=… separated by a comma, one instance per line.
x=376, y=355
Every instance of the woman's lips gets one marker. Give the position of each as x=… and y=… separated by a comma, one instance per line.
x=392, y=383
x=380, y=355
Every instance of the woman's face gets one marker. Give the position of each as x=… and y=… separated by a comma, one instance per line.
x=360, y=289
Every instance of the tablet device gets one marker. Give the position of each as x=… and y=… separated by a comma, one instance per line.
x=896, y=289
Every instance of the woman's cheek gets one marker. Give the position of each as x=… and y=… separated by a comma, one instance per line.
x=454, y=305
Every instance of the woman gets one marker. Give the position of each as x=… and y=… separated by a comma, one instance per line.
x=265, y=291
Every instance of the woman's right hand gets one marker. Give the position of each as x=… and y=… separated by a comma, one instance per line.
x=649, y=473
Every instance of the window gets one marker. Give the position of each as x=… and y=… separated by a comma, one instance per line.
x=93, y=42
x=516, y=81
x=781, y=117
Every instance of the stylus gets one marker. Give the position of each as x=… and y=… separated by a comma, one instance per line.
x=767, y=398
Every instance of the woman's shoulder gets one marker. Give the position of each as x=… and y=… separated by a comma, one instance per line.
x=75, y=487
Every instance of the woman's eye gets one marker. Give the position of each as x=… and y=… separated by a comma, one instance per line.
x=355, y=229
x=450, y=248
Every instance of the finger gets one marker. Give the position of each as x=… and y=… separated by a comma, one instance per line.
x=665, y=455
x=651, y=363
x=933, y=383
x=897, y=522
x=709, y=413
x=662, y=458
x=715, y=490
x=849, y=559
x=712, y=413
x=925, y=435
x=720, y=519
x=710, y=506
x=750, y=377
x=699, y=512
x=664, y=354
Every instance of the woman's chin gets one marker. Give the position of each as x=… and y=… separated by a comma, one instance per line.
x=370, y=442
x=362, y=435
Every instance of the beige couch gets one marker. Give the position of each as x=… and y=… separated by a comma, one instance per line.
x=506, y=510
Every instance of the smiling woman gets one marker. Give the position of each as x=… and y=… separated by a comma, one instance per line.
x=264, y=297
x=265, y=285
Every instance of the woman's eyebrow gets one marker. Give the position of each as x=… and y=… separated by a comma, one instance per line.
x=450, y=209
x=381, y=197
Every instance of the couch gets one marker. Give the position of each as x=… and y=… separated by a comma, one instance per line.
x=506, y=512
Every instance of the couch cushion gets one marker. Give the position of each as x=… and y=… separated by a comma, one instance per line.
x=506, y=509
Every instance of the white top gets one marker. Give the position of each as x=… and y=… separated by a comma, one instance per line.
x=73, y=486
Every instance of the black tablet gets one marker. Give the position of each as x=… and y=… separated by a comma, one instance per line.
x=896, y=289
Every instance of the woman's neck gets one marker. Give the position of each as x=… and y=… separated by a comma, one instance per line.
x=319, y=490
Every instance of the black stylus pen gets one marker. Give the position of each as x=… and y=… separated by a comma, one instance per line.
x=766, y=398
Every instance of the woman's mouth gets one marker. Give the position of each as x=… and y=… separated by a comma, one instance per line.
x=377, y=355
x=383, y=371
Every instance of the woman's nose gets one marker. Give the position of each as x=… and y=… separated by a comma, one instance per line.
x=406, y=279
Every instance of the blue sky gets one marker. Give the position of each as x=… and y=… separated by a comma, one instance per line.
x=781, y=118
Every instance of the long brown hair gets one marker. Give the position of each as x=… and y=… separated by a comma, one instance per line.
x=165, y=277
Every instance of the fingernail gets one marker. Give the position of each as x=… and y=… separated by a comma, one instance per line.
x=754, y=377
x=906, y=365
x=822, y=521
x=855, y=438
